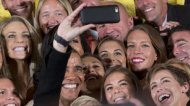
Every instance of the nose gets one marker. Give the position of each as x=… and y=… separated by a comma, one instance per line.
x=137, y=50
x=159, y=88
x=176, y=51
x=116, y=90
x=145, y=2
x=52, y=21
x=11, y=97
x=69, y=75
x=19, y=39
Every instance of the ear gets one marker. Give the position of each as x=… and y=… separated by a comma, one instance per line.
x=130, y=22
x=156, y=57
x=185, y=87
x=4, y=4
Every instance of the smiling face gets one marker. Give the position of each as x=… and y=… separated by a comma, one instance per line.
x=7, y=94
x=95, y=72
x=112, y=54
x=51, y=14
x=22, y=8
x=18, y=40
x=166, y=90
x=140, y=51
x=117, y=88
x=181, y=49
x=154, y=10
x=73, y=80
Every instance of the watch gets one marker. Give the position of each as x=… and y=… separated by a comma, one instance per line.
x=61, y=40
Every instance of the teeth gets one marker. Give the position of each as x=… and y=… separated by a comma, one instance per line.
x=164, y=96
x=20, y=9
x=147, y=10
x=118, y=99
x=10, y=105
x=70, y=86
x=137, y=60
x=19, y=49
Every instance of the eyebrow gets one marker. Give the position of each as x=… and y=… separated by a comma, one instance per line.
x=179, y=40
x=118, y=50
x=160, y=80
x=103, y=51
x=122, y=80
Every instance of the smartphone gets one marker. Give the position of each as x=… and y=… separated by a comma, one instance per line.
x=100, y=14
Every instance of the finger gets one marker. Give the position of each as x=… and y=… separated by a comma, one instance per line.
x=76, y=11
x=85, y=28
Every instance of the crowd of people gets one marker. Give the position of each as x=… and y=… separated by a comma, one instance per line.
x=49, y=58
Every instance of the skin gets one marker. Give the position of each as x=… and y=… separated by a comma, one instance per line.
x=73, y=80
x=7, y=93
x=140, y=51
x=76, y=3
x=1, y=59
x=154, y=10
x=181, y=48
x=116, y=30
x=164, y=83
x=95, y=73
x=22, y=8
x=117, y=88
x=18, y=40
x=76, y=45
x=51, y=14
x=112, y=54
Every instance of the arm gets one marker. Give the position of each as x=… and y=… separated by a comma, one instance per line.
x=53, y=70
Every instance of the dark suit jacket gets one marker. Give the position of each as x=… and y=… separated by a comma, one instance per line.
x=51, y=74
x=180, y=14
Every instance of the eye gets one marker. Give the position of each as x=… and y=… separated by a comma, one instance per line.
x=109, y=88
x=145, y=45
x=11, y=36
x=130, y=46
x=45, y=15
x=2, y=92
x=103, y=55
x=78, y=69
x=181, y=44
x=96, y=66
x=123, y=84
x=26, y=35
x=153, y=86
x=118, y=53
x=165, y=81
x=75, y=41
x=59, y=14
x=100, y=26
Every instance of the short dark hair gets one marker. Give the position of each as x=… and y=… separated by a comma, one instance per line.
x=180, y=75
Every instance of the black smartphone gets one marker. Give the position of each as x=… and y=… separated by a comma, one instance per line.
x=100, y=14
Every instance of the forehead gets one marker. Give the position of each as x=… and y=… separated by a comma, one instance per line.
x=6, y=83
x=14, y=26
x=162, y=74
x=74, y=59
x=181, y=35
x=138, y=35
x=110, y=45
x=89, y=59
x=115, y=77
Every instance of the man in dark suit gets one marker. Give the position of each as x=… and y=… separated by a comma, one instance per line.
x=163, y=14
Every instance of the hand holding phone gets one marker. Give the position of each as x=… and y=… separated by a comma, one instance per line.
x=100, y=14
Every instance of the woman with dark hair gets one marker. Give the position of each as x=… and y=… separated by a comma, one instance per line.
x=120, y=86
x=145, y=48
x=9, y=95
x=169, y=85
x=112, y=52
x=20, y=42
